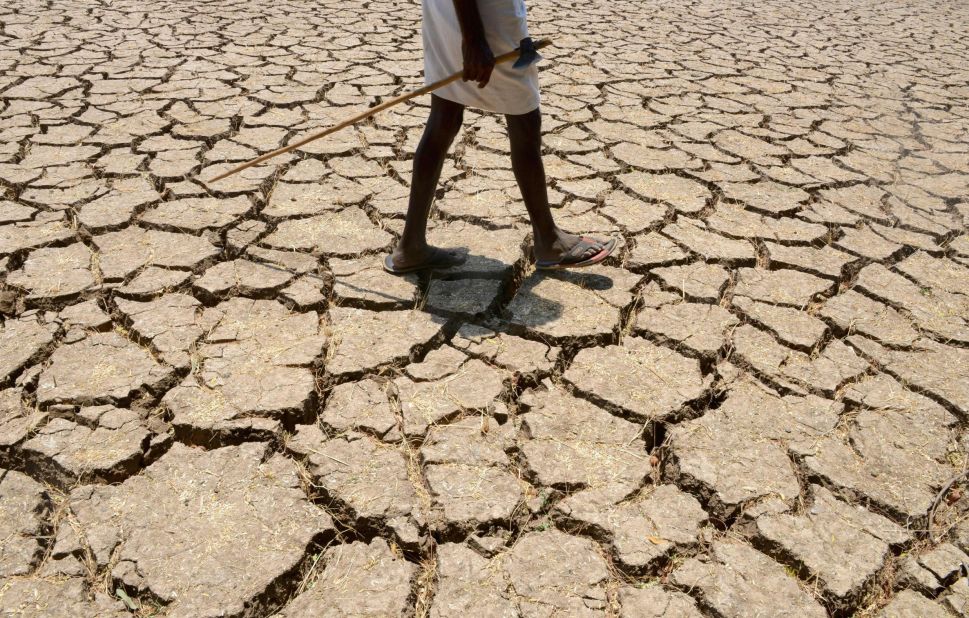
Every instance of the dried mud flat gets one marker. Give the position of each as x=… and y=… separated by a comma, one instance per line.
x=213, y=402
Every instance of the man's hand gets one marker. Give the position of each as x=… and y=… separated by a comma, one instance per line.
x=478, y=60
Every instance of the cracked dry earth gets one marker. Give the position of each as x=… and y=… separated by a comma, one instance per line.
x=213, y=401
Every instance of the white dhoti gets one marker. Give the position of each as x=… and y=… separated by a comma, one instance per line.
x=510, y=91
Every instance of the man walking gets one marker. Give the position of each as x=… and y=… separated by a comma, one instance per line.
x=472, y=30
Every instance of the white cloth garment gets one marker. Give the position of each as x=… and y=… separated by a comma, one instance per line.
x=510, y=91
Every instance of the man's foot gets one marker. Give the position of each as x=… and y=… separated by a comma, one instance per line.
x=400, y=262
x=571, y=251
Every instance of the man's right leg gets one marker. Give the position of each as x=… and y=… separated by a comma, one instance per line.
x=442, y=127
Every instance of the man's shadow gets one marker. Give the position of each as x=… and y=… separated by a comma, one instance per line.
x=481, y=287
x=481, y=275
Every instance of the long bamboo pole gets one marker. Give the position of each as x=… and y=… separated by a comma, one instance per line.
x=512, y=55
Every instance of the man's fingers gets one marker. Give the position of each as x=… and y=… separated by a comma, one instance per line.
x=485, y=75
x=478, y=72
x=474, y=73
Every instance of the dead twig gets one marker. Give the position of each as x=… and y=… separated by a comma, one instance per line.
x=938, y=500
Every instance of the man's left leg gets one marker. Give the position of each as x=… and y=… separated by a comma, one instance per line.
x=552, y=245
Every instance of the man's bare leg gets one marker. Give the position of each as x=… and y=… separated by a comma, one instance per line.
x=442, y=127
x=551, y=243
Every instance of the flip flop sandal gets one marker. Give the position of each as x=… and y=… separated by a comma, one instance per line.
x=573, y=257
x=440, y=259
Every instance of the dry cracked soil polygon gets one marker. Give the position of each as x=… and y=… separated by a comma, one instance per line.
x=18, y=421
x=750, y=408
x=522, y=356
x=700, y=327
x=545, y=574
x=470, y=477
x=168, y=322
x=362, y=340
x=254, y=366
x=110, y=450
x=894, y=453
x=362, y=406
x=57, y=598
x=643, y=528
x=206, y=532
x=21, y=341
x=356, y=579
x=639, y=377
x=460, y=389
x=99, y=368
x=367, y=481
x=741, y=451
x=843, y=546
x=737, y=580
x=572, y=443
x=24, y=506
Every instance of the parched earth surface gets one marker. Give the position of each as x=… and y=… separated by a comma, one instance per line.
x=213, y=401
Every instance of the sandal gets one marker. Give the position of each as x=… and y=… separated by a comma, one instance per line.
x=573, y=257
x=439, y=259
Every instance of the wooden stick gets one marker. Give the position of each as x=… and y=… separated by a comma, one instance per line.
x=512, y=55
